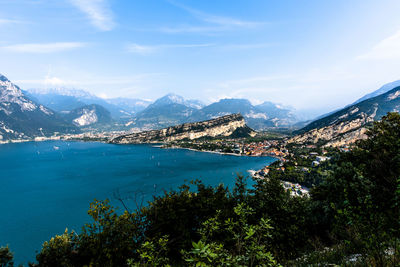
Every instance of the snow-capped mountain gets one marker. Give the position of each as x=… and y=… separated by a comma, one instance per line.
x=176, y=99
x=20, y=117
x=62, y=91
x=168, y=110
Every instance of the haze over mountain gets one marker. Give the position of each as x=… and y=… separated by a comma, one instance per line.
x=131, y=105
x=22, y=118
x=168, y=110
x=172, y=109
x=348, y=124
x=66, y=99
x=385, y=88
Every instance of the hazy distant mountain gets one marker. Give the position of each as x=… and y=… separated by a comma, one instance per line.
x=176, y=99
x=193, y=103
x=348, y=124
x=258, y=117
x=283, y=115
x=57, y=102
x=89, y=115
x=20, y=117
x=131, y=105
x=166, y=111
x=226, y=107
x=66, y=99
x=385, y=88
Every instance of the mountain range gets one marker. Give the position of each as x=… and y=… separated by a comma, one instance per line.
x=66, y=99
x=168, y=110
x=27, y=114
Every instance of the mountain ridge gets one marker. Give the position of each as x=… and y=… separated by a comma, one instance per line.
x=22, y=118
x=224, y=126
x=349, y=124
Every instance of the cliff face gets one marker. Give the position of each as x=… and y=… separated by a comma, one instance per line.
x=349, y=124
x=223, y=126
x=338, y=134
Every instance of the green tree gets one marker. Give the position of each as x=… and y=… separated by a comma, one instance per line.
x=360, y=198
x=152, y=253
x=6, y=257
x=179, y=214
x=288, y=215
x=250, y=241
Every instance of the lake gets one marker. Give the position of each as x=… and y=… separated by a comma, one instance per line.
x=46, y=187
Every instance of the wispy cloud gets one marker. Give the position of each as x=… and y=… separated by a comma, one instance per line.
x=42, y=48
x=90, y=80
x=217, y=22
x=192, y=29
x=9, y=21
x=388, y=48
x=248, y=46
x=147, y=49
x=98, y=12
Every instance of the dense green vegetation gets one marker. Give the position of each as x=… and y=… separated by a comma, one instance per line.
x=351, y=218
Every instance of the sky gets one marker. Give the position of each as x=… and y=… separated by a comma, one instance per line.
x=315, y=56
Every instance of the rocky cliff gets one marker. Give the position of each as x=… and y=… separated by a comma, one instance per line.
x=349, y=124
x=89, y=115
x=338, y=134
x=226, y=126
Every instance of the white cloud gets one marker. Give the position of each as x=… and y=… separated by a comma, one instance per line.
x=103, y=95
x=9, y=21
x=219, y=23
x=53, y=81
x=248, y=46
x=192, y=29
x=388, y=48
x=97, y=11
x=140, y=49
x=43, y=47
x=224, y=21
x=147, y=49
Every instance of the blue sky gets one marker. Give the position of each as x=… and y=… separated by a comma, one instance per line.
x=317, y=55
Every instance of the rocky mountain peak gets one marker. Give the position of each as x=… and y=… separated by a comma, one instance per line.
x=3, y=78
x=10, y=93
x=170, y=99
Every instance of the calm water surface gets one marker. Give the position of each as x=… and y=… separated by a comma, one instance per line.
x=46, y=187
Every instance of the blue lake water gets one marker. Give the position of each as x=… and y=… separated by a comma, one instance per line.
x=46, y=187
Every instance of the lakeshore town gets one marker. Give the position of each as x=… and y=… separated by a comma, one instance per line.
x=301, y=157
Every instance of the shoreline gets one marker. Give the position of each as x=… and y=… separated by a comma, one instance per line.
x=206, y=151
